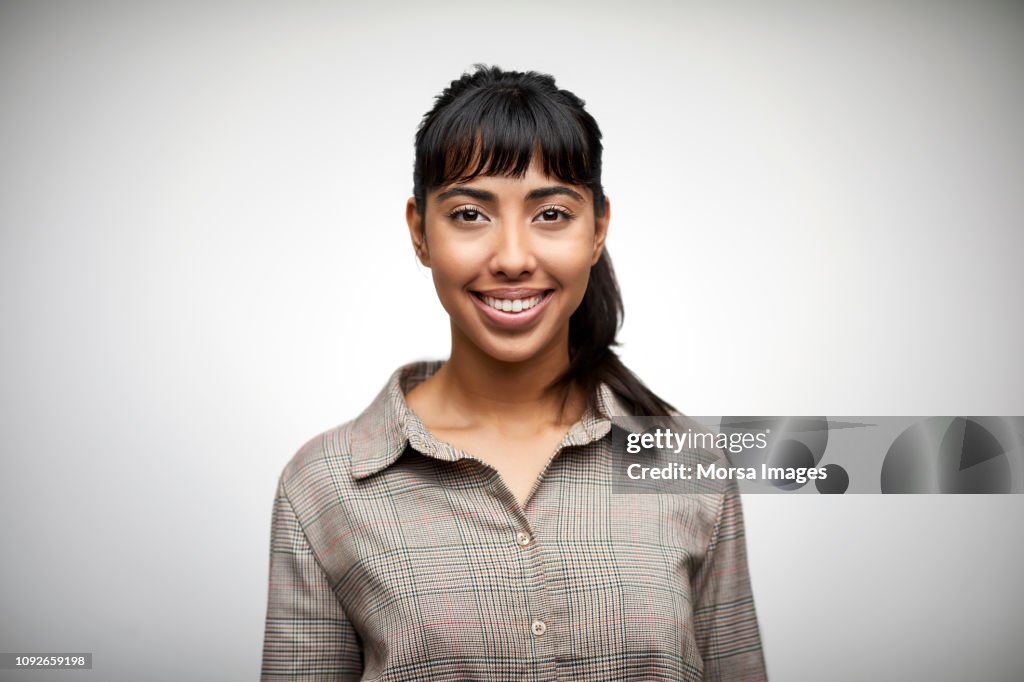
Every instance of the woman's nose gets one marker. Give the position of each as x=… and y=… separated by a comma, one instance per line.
x=513, y=253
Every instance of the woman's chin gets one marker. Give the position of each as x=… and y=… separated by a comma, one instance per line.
x=512, y=352
x=511, y=347
x=512, y=355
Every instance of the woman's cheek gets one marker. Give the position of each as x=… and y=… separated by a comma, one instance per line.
x=446, y=294
x=570, y=268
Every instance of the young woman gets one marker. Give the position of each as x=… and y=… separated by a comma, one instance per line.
x=463, y=526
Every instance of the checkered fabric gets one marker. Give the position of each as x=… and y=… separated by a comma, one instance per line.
x=396, y=556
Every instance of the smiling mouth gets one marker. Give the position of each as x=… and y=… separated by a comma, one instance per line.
x=513, y=305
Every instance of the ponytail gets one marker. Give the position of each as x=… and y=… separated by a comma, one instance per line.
x=592, y=331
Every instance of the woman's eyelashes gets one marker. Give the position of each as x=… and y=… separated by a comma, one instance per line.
x=467, y=214
x=548, y=214
x=552, y=213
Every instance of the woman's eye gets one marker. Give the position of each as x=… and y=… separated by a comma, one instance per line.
x=553, y=215
x=466, y=215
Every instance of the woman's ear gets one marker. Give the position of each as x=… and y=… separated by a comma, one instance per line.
x=601, y=231
x=417, y=232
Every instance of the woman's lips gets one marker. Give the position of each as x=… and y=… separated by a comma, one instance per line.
x=510, y=320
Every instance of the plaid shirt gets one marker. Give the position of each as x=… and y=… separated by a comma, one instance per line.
x=395, y=556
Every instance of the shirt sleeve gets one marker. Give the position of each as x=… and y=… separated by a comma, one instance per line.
x=307, y=634
x=725, y=621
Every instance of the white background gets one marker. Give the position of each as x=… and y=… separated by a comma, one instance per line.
x=204, y=262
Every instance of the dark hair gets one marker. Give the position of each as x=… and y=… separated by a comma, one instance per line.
x=500, y=118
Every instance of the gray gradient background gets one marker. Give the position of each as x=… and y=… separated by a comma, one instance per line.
x=816, y=210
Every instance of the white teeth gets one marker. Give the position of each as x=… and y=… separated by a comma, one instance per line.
x=512, y=305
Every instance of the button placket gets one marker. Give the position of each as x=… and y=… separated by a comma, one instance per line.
x=540, y=605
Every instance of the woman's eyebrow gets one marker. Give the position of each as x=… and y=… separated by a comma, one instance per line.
x=553, y=190
x=478, y=194
x=532, y=195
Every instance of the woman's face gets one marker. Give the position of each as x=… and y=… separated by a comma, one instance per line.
x=510, y=258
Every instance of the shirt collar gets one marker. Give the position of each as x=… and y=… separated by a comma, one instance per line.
x=382, y=432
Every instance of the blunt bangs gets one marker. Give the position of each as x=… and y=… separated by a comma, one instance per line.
x=496, y=131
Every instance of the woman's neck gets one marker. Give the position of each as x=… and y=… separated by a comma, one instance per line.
x=473, y=389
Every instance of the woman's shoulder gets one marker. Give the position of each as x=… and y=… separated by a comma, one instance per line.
x=368, y=440
x=318, y=458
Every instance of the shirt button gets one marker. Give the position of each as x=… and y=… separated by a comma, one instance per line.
x=539, y=628
x=523, y=538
